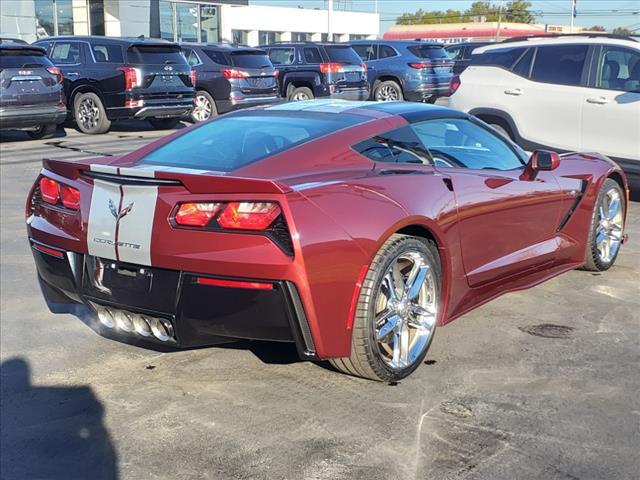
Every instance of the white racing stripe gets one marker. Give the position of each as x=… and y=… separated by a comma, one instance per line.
x=101, y=231
x=136, y=227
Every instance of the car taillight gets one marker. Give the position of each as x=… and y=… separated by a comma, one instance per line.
x=420, y=65
x=234, y=73
x=196, y=214
x=331, y=67
x=276, y=73
x=70, y=197
x=454, y=85
x=194, y=76
x=57, y=72
x=52, y=192
x=132, y=77
x=49, y=190
x=249, y=215
x=363, y=66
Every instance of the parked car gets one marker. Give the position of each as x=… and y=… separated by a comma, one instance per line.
x=109, y=79
x=13, y=40
x=568, y=93
x=461, y=53
x=412, y=70
x=31, y=91
x=352, y=230
x=229, y=78
x=310, y=70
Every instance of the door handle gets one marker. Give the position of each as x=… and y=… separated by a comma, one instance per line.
x=598, y=100
x=513, y=91
x=72, y=74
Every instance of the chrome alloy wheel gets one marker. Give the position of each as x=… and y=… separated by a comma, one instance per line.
x=406, y=310
x=202, y=109
x=609, y=229
x=88, y=114
x=387, y=93
x=300, y=96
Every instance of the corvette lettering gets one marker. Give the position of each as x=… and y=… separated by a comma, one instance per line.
x=108, y=241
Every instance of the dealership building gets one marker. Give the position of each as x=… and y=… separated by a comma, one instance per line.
x=186, y=21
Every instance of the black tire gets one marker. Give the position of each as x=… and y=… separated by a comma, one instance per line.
x=44, y=131
x=366, y=359
x=194, y=117
x=164, y=123
x=90, y=115
x=383, y=90
x=594, y=261
x=299, y=94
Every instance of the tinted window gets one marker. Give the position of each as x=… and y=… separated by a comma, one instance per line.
x=66, y=53
x=282, y=56
x=618, y=69
x=21, y=58
x=428, y=51
x=250, y=60
x=463, y=144
x=217, y=57
x=155, y=54
x=231, y=142
x=455, y=53
x=107, y=53
x=311, y=55
x=559, y=64
x=505, y=57
x=397, y=146
x=385, y=51
x=365, y=52
x=523, y=66
x=343, y=55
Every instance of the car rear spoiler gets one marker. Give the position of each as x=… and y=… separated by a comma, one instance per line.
x=196, y=181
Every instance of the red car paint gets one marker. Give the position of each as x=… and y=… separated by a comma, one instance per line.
x=495, y=232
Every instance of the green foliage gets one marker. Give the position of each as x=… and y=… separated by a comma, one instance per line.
x=597, y=28
x=621, y=31
x=513, y=11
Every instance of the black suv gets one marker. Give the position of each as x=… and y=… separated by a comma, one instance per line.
x=109, y=79
x=31, y=93
x=460, y=53
x=310, y=70
x=229, y=78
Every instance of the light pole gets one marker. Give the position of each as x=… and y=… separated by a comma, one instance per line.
x=329, y=26
x=499, y=20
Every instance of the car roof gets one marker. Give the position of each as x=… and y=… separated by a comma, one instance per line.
x=15, y=41
x=305, y=44
x=591, y=39
x=22, y=46
x=111, y=40
x=417, y=41
x=223, y=47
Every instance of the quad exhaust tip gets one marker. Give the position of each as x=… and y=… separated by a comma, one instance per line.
x=136, y=323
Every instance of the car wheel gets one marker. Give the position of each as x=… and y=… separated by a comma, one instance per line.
x=43, y=131
x=299, y=94
x=163, y=123
x=607, y=223
x=397, y=311
x=387, y=91
x=205, y=107
x=90, y=115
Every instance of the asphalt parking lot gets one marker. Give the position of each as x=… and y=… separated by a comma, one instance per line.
x=538, y=384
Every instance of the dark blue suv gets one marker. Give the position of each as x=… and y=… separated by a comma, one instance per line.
x=413, y=70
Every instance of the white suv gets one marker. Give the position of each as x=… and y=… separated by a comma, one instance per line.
x=566, y=93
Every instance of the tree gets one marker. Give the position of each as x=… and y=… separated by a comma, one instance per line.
x=597, y=28
x=622, y=31
x=518, y=12
x=514, y=11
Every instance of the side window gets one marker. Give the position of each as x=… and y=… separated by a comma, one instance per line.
x=559, y=64
x=455, y=53
x=523, y=66
x=397, y=146
x=282, y=56
x=107, y=53
x=216, y=57
x=192, y=57
x=618, y=69
x=66, y=53
x=385, y=51
x=365, y=51
x=311, y=55
x=460, y=143
x=504, y=57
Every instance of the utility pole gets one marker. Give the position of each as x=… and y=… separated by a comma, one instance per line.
x=329, y=26
x=573, y=13
x=499, y=20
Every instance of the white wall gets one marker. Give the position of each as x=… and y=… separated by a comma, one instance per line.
x=18, y=19
x=126, y=18
x=285, y=19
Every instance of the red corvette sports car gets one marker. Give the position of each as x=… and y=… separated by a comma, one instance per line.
x=352, y=229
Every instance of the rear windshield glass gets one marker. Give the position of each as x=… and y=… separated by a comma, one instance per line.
x=23, y=58
x=235, y=141
x=428, y=51
x=343, y=55
x=250, y=60
x=155, y=54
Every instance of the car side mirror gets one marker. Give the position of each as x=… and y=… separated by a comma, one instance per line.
x=541, y=160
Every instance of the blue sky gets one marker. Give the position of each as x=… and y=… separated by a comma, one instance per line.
x=608, y=13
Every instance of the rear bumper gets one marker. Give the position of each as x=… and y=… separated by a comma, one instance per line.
x=155, y=107
x=199, y=314
x=163, y=111
x=360, y=93
x=29, y=117
x=424, y=91
x=246, y=102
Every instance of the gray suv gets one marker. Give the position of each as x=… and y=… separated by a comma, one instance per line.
x=31, y=92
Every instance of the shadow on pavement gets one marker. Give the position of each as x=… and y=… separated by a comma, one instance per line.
x=22, y=136
x=52, y=432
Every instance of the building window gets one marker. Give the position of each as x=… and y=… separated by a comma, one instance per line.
x=186, y=22
x=53, y=17
x=96, y=17
x=267, y=38
x=300, y=37
x=167, y=27
x=209, y=24
x=240, y=37
x=357, y=37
